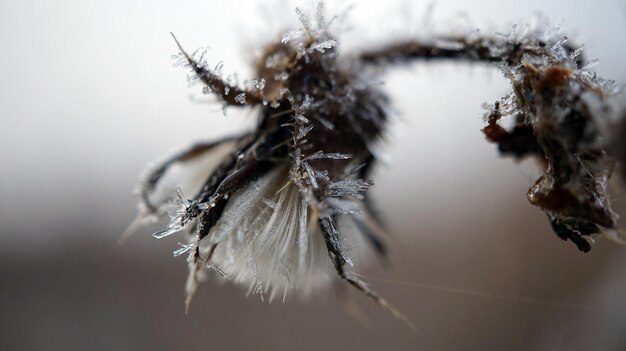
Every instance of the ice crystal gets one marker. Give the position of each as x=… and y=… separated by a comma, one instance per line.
x=350, y=187
x=258, y=84
x=324, y=45
x=281, y=76
x=291, y=36
x=241, y=98
x=328, y=155
x=302, y=119
x=304, y=130
x=185, y=248
x=304, y=19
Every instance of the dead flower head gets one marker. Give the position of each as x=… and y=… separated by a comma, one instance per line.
x=263, y=208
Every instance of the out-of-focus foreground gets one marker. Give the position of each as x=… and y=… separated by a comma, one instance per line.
x=88, y=97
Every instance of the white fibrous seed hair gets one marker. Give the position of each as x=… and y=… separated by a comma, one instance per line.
x=263, y=209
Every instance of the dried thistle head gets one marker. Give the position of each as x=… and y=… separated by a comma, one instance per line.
x=263, y=208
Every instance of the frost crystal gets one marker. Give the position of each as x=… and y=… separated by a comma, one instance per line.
x=350, y=187
x=183, y=248
x=241, y=98
x=324, y=45
x=302, y=119
x=258, y=84
x=304, y=130
x=330, y=156
x=291, y=36
x=172, y=228
x=304, y=19
x=327, y=124
x=575, y=55
x=218, y=67
x=281, y=76
x=559, y=43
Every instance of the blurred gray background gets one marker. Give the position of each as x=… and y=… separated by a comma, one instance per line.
x=89, y=97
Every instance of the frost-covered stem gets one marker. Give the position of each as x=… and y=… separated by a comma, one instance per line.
x=488, y=49
x=414, y=50
x=229, y=94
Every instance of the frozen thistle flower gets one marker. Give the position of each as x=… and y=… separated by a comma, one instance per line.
x=264, y=206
